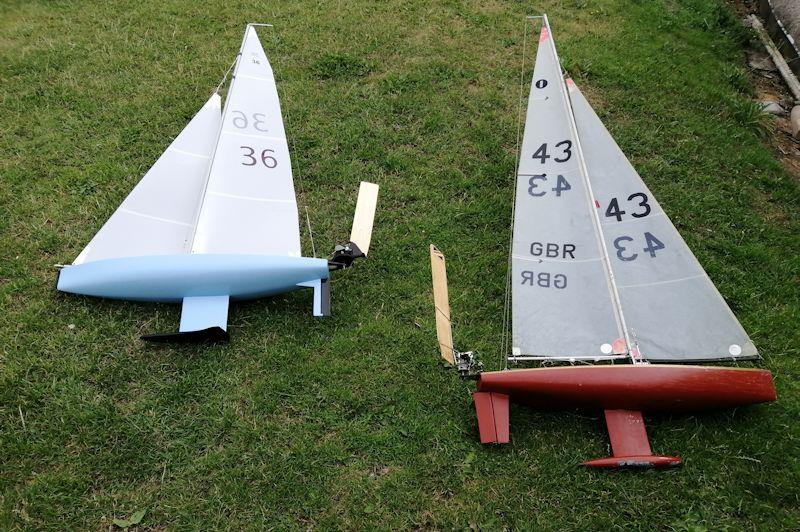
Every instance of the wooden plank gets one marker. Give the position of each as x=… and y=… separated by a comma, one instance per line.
x=361, y=235
x=777, y=58
x=441, y=305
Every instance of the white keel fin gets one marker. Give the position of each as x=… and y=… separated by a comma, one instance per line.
x=203, y=318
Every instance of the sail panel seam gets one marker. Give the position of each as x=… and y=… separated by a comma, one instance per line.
x=543, y=261
x=668, y=281
x=191, y=154
x=250, y=198
x=143, y=215
x=248, y=76
x=267, y=137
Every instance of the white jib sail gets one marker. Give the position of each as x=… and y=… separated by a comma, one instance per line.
x=157, y=217
x=249, y=206
x=562, y=299
x=672, y=309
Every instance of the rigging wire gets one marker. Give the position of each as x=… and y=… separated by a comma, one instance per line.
x=505, y=337
x=225, y=77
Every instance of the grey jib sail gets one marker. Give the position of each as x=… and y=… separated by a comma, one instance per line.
x=672, y=309
x=598, y=269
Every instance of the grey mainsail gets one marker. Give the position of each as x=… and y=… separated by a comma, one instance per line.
x=672, y=310
x=563, y=305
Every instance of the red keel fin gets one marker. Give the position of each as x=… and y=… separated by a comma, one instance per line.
x=492, y=409
x=629, y=444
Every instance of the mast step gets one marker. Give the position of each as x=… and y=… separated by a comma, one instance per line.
x=492, y=409
x=629, y=444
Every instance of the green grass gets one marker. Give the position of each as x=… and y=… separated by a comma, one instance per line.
x=351, y=422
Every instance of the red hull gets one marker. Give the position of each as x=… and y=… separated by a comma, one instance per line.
x=623, y=392
x=651, y=388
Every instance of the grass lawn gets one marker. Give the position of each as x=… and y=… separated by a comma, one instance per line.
x=351, y=421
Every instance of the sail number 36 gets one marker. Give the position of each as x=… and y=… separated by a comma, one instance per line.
x=240, y=121
x=267, y=159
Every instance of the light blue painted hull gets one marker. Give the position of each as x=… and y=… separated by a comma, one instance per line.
x=170, y=278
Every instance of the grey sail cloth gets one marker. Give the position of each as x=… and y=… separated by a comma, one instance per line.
x=672, y=310
x=562, y=300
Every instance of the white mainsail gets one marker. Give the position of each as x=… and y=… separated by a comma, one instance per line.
x=672, y=309
x=562, y=298
x=249, y=206
x=157, y=217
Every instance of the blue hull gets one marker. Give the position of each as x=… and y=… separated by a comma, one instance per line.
x=171, y=278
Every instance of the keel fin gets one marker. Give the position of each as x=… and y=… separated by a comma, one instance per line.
x=441, y=304
x=203, y=319
x=630, y=446
x=493, y=413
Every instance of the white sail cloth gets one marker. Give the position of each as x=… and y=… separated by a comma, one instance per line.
x=249, y=206
x=223, y=186
x=157, y=217
x=598, y=269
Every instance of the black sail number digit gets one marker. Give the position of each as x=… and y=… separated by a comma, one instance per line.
x=653, y=244
x=567, y=151
x=532, y=185
x=259, y=120
x=268, y=160
x=239, y=119
x=643, y=203
x=621, y=248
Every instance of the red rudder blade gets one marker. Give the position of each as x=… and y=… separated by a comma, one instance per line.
x=492, y=410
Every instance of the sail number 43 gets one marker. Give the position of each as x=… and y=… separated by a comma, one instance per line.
x=566, y=152
x=624, y=253
x=562, y=185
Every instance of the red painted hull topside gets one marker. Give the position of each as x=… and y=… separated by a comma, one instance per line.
x=649, y=388
x=622, y=392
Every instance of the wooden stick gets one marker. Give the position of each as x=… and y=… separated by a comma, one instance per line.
x=777, y=58
x=361, y=235
x=441, y=303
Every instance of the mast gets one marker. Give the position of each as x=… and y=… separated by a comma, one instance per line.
x=592, y=204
